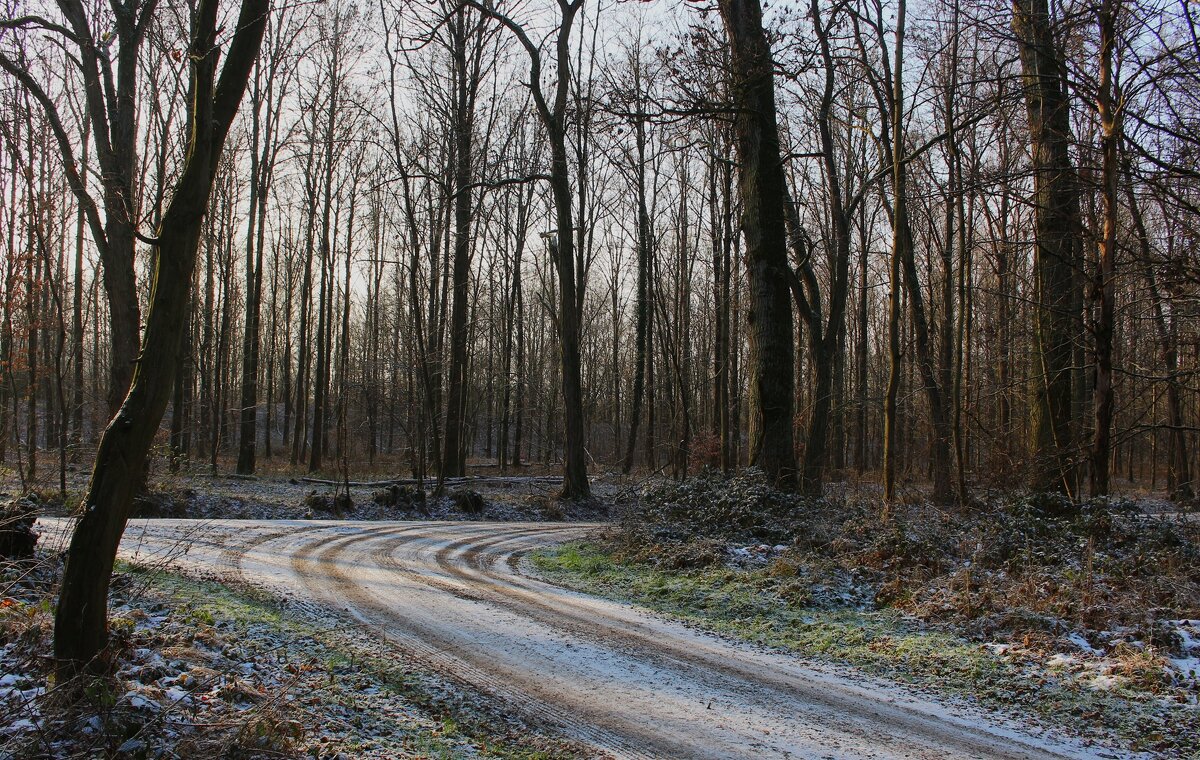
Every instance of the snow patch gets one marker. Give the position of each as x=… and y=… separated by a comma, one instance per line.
x=1105, y=682
x=1061, y=661
x=1079, y=641
x=1188, y=665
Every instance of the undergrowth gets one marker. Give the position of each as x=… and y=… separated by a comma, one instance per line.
x=1023, y=565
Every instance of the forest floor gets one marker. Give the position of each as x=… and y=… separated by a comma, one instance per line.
x=199, y=495
x=248, y=638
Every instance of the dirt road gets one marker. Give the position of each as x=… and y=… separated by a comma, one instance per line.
x=454, y=597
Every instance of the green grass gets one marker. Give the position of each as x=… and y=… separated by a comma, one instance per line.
x=769, y=608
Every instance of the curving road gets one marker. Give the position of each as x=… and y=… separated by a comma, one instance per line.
x=454, y=597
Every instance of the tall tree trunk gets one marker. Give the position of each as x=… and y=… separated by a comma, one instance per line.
x=727, y=306
x=261, y=159
x=763, y=188
x=825, y=338
x=553, y=115
x=1179, y=470
x=644, y=293
x=905, y=262
x=1058, y=254
x=77, y=392
x=304, y=327
x=324, y=318
x=463, y=126
x=343, y=382
x=32, y=276
x=1107, y=105
x=860, y=354
x=181, y=395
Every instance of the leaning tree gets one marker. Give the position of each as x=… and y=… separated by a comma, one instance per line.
x=81, y=620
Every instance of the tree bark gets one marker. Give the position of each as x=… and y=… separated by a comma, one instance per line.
x=763, y=188
x=1058, y=253
x=466, y=83
x=1107, y=106
x=644, y=284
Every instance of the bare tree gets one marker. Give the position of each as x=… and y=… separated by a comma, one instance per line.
x=81, y=619
x=552, y=112
x=1058, y=232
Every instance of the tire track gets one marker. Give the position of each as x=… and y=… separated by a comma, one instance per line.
x=453, y=597
x=496, y=590
x=429, y=646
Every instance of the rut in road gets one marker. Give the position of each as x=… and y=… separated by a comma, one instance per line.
x=453, y=597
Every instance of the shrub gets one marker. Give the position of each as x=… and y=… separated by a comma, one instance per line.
x=743, y=506
x=17, y=537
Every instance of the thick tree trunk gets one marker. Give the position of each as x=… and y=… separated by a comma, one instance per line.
x=1107, y=99
x=248, y=409
x=303, y=330
x=643, y=295
x=320, y=377
x=1058, y=255
x=453, y=456
x=891, y=400
x=575, y=480
x=763, y=188
x=260, y=171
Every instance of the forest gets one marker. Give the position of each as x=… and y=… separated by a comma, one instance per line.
x=694, y=268
x=980, y=273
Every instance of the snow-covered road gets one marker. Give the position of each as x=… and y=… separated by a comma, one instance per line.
x=455, y=598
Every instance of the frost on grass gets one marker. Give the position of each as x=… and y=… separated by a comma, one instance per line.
x=1084, y=615
x=201, y=671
